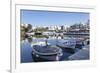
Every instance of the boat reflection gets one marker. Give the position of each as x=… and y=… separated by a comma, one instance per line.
x=55, y=48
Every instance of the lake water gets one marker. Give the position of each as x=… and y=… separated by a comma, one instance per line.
x=26, y=49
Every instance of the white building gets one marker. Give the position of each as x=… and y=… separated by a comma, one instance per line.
x=33, y=27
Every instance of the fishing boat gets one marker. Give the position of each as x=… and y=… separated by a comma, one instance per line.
x=46, y=52
x=70, y=45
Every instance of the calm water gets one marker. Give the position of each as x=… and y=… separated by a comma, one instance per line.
x=26, y=49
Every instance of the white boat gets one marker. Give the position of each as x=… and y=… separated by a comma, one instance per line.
x=69, y=45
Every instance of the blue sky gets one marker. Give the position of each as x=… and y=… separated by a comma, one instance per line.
x=49, y=18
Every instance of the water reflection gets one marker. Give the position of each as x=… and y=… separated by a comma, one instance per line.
x=26, y=49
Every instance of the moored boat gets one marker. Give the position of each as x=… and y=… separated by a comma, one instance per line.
x=46, y=52
x=70, y=45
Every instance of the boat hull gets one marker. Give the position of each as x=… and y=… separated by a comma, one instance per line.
x=45, y=58
x=46, y=53
x=67, y=49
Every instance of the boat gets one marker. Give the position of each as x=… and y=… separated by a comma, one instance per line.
x=82, y=54
x=46, y=52
x=70, y=45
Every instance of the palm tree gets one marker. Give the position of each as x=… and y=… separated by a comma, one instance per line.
x=25, y=30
